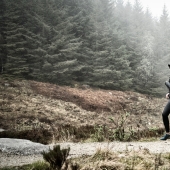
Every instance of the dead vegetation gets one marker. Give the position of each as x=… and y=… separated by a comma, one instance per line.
x=106, y=159
x=53, y=113
x=129, y=160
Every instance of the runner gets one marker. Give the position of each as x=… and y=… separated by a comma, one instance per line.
x=166, y=112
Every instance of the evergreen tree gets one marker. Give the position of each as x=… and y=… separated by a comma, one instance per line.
x=102, y=43
x=23, y=45
x=16, y=61
x=3, y=54
x=162, y=44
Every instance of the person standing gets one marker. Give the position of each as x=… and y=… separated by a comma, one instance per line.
x=166, y=112
x=165, y=118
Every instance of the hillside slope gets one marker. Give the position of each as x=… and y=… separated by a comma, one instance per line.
x=45, y=112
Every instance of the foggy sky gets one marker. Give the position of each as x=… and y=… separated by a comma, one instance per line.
x=154, y=6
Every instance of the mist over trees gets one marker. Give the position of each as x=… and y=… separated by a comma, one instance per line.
x=102, y=43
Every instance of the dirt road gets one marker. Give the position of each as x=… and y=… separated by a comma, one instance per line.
x=16, y=152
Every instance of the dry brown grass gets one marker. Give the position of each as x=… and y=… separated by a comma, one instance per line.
x=129, y=160
x=70, y=114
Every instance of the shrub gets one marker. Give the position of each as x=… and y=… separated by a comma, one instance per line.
x=56, y=157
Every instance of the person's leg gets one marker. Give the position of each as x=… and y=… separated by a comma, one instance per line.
x=165, y=119
x=165, y=115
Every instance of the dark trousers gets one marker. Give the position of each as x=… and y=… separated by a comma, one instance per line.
x=165, y=115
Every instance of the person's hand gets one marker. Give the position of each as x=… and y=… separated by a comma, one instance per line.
x=167, y=95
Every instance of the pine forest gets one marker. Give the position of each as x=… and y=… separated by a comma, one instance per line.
x=107, y=44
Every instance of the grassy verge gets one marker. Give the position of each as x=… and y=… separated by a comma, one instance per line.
x=40, y=165
x=104, y=160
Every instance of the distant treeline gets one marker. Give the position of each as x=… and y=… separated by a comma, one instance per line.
x=101, y=43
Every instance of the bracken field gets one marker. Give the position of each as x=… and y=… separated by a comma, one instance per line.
x=80, y=113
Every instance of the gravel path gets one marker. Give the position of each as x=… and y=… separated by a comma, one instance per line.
x=15, y=152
